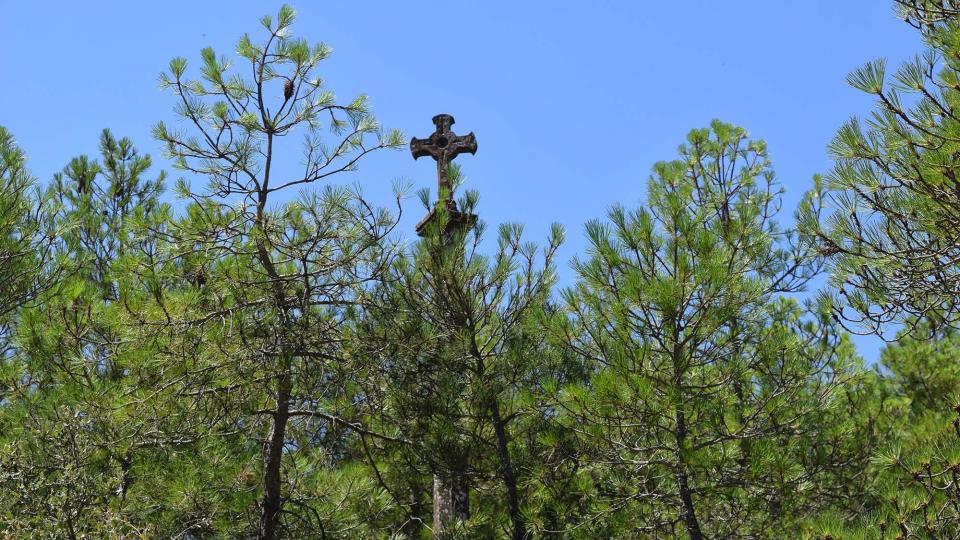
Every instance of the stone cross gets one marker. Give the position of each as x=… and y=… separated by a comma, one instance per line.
x=443, y=146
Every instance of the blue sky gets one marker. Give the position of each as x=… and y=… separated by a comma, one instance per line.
x=571, y=102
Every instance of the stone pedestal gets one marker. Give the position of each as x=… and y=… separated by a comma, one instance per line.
x=457, y=221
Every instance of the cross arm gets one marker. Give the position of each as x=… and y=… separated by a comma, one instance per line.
x=460, y=145
x=422, y=147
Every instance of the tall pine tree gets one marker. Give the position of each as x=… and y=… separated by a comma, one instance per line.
x=708, y=383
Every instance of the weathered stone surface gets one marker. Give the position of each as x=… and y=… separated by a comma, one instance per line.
x=443, y=146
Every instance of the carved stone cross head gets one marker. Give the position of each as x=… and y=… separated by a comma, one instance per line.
x=443, y=146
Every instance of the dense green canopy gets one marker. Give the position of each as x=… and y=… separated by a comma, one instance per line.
x=267, y=357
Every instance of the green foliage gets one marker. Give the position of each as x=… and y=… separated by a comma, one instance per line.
x=248, y=362
x=891, y=229
x=251, y=297
x=706, y=383
x=911, y=489
x=25, y=236
x=457, y=358
x=72, y=428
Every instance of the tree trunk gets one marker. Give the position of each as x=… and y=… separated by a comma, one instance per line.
x=683, y=485
x=272, y=502
x=680, y=435
x=451, y=501
x=507, y=475
x=413, y=528
x=272, y=485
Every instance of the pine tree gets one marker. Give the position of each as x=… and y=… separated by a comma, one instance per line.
x=912, y=484
x=458, y=358
x=72, y=429
x=706, y=380
x=892, y=236
x=25, y=237
x=252, y=295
